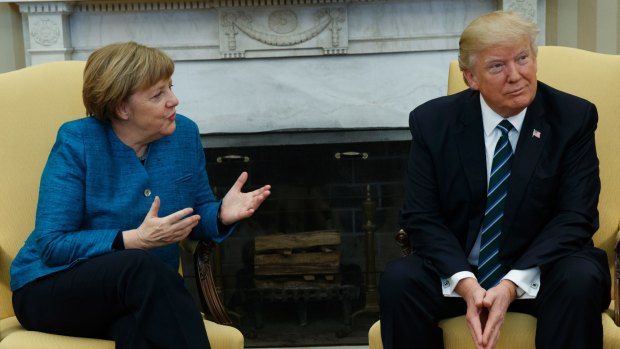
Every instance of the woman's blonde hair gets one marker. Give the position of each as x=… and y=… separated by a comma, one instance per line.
x=115, y=71
x=492, y=29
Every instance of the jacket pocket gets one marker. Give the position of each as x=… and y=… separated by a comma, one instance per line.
x=184, y=178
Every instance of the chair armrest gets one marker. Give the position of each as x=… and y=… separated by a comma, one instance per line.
x=207, y=292
x=402, y=239
x=617, y=280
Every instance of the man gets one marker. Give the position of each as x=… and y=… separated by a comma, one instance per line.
x=501, y=204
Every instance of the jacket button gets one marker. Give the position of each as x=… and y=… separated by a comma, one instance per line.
x=147, y=192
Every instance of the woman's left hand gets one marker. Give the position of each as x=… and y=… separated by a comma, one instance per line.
x=237, y=205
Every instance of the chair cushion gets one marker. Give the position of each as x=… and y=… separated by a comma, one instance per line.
x=518, y=332
x=13, y=336
x=611, y=332
x=224, y=337
x=8, y=326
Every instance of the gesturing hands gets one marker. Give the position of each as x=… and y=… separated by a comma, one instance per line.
x=237, y=205
x=486, y=309
x=159, y=231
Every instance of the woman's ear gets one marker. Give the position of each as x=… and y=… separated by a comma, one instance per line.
x=122, y=111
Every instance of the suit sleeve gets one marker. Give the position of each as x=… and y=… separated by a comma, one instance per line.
x=58, y=233
x=421, y=216
x=206, y=204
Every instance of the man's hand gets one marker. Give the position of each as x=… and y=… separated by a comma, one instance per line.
x=486, y=309
x=476, y=315
x=497, y=300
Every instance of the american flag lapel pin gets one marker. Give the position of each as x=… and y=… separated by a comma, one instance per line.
x=536, y=134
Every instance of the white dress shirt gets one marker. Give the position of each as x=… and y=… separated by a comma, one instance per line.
x=527, y=281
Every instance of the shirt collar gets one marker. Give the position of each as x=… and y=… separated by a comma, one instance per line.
x=491, y=119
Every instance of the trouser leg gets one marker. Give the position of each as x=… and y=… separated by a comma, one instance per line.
x=93, y=298
x=412, y=304
x=573, y=293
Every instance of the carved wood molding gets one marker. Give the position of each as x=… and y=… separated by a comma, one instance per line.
x=145, y=6
x=281, y=29
x=45, y=7
x=209, y=297
x=242, y=21
x=402, y=239
x=617, y=285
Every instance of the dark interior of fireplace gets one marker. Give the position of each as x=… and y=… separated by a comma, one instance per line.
x=351, y=189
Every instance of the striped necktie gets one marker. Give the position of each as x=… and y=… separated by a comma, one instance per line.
x=490, y=270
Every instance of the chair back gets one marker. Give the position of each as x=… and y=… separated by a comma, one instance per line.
x=35, y=102
x=595, y=77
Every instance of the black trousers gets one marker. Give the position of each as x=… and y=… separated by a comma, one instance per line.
x=568, y=306
x=130, y=296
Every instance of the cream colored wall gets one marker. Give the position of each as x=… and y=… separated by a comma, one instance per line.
x=11, y=42
x=588, y=24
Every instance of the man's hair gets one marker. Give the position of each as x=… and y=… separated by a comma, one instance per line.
x=115, y=71
x=493, y=29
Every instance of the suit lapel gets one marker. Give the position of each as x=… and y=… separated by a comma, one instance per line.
x=529, y=148
x=470, y=140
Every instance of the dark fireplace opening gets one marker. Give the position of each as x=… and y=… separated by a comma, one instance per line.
x=336, y=194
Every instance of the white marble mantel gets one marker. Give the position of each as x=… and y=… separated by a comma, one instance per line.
x=263, y=65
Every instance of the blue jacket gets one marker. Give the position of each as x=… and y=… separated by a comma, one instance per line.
x=94, y=186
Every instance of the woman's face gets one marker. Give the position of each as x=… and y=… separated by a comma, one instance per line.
x=151, y=112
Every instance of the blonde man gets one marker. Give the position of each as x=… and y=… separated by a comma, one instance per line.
x=500, y=205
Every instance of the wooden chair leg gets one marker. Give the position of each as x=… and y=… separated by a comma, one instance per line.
x=617, y=284
x=209, y=297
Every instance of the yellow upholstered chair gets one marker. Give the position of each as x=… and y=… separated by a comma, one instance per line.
x=35, y=101
x=596, y=77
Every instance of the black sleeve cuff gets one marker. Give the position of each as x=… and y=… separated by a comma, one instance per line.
x=118, y=244
x=221, y=227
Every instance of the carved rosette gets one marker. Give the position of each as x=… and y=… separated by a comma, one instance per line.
x=48, y=27
x=283, y=21
x=282, y=30
x=45, y=32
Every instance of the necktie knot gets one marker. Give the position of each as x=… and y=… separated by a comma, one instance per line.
x=505, y=126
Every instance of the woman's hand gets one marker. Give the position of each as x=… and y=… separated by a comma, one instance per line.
x=237, y=205
x=159, y=231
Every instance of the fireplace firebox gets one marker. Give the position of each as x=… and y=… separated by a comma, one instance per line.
x=345, y=184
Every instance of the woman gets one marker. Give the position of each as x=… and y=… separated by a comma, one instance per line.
x=119, y=191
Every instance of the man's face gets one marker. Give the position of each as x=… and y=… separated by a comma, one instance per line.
x=505, y=75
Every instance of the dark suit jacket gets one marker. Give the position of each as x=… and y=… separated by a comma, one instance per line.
x=551, y=209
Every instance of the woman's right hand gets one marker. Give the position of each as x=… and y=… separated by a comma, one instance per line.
x=158, y=231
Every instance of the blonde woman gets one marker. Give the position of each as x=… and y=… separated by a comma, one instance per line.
x=119, y=191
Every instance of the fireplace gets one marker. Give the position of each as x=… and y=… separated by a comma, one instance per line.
x=332, y=182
